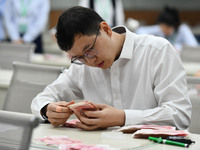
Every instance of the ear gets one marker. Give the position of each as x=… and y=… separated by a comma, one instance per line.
x=106, y=28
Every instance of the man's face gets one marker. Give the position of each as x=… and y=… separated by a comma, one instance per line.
x=105, y=55
x=166, y=29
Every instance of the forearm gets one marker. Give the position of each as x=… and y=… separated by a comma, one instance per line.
x=165, y=115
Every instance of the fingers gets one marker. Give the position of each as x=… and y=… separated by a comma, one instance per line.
x=64, y=103
x=86, y=127
x=57, y=122
x=59, y=106
x=92, y=114
x=58, y=112
x=52, y=114
x=100, y=106
x=58, y=109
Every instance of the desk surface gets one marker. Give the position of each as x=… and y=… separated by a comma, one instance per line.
x=94, y=137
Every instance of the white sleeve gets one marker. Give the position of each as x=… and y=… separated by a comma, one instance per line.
x=65, y=88
x=10, y=20
x=170, y=90
x=187, y=36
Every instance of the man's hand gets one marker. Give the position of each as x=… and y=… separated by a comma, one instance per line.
x=106, y=116
x=19, y=41
x=58, y=112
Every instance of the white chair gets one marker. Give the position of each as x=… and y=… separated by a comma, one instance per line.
x=190, y=54
x=14, y=52
x=16, y=130
x=194, y=93
x=27, y=81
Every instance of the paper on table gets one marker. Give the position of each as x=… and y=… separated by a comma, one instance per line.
x=145, y=133
x=71, y=123
x=134, y=128
x=66, y=143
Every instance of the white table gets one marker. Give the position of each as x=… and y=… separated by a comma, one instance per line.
x=94, y=137
x=5, y=78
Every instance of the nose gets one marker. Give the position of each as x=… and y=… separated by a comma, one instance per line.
x=90, y=61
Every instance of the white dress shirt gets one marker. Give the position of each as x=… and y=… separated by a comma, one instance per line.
x=183, y=36
x=105, y=9
x=37, y=13
x=147, y=81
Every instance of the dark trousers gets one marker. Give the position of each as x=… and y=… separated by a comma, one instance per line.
x=39, y=46
x=38, y=43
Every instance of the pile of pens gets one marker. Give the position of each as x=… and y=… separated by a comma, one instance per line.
x=173, y=140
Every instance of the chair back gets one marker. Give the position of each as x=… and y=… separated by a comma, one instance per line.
x=27, y=81
x=14, y=52
x=194, y=93
x=190, y=54
x=16, y=130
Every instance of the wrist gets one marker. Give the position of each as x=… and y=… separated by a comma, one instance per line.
x=122, y=118
x=43, y=112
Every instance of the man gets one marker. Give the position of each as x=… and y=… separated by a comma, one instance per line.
x=131, y=79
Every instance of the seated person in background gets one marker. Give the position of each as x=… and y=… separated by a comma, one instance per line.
x=169, y=27
x=131, y=79
x=25, y=21
x=111, y=11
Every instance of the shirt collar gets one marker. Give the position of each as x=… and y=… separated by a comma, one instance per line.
x=127, y=49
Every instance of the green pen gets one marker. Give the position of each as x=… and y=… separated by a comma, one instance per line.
x=160, y=140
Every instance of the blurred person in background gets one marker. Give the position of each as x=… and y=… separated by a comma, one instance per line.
x=169, y=26
x=2, y=33
x=25, y=21
x=111, y=11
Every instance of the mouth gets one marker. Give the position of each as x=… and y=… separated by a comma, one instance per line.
x=100, y=65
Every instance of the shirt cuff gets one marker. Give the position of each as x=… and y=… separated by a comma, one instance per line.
x=42, y=116
x=133, y=117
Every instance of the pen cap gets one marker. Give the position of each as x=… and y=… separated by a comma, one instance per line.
x=159, y=140
x=180, y=139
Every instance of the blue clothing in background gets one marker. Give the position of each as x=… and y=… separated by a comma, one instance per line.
x=2, y=33
x=183, y=36
x=26, y=19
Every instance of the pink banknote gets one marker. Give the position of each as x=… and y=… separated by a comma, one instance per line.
x=80, y=146
x=71, y=123
x=57, y=140
x=83, y=105
x=145, y=133
x=65, y=143
x=134, y=128
x=78, y=108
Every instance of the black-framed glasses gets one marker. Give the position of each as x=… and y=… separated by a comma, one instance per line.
x=89, y=53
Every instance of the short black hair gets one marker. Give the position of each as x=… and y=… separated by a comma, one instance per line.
x=170, y=16
x=74, y=21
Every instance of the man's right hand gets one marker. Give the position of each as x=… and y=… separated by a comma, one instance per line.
x=58, y=112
